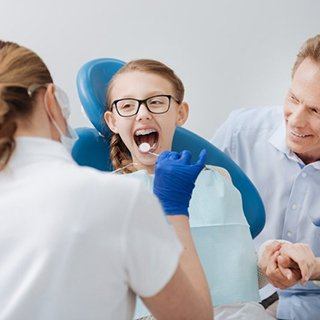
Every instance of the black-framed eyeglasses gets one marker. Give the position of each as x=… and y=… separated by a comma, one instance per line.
x=128, y=107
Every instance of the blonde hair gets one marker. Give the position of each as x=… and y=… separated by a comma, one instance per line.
x=19, y=69
x=119, y=153
x=310, y=49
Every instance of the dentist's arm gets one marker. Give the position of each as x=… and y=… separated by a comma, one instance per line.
x=174, y=182
x=186, y=296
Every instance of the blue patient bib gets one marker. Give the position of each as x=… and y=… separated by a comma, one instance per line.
x=222, y=238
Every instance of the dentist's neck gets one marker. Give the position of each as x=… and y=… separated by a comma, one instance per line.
x=36, y=126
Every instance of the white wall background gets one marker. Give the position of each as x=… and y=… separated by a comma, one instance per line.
x=228, y=53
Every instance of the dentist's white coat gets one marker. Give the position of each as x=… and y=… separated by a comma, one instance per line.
x=76, y=243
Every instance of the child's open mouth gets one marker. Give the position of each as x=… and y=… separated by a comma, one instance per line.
x=150, y=136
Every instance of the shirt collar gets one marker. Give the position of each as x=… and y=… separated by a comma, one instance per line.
x=278, y=140
x=34, y=149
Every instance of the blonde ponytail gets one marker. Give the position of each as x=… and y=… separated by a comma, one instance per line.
x=19, y=69
x=8, y=128
x=119, y=154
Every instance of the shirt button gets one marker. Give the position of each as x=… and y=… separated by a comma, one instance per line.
x=294, y=207
x=303, y=174
x=289, y=234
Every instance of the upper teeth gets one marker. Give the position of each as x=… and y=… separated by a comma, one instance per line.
x=144, y=131
x=299, y=135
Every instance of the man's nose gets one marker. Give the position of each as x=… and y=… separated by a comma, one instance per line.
x=299, y=117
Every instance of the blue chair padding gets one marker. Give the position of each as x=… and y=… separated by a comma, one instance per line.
x=92, y=148
x=98, y=73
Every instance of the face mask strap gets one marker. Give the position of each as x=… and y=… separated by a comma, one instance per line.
x=64, y=116
x=61, y=97
x=63, y=101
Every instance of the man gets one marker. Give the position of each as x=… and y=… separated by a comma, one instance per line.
x=279, y=149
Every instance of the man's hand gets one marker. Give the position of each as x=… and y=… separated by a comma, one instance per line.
x=266, y=254
x=283, y=275
x=302, y=256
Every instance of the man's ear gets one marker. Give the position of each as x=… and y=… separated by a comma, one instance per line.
x=111, y=121
x=183, y=112
x=53, y=108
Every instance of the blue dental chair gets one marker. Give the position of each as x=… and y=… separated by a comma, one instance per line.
x=92, y=148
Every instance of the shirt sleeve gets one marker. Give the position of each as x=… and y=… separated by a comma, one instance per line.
x=152, y=249
x=316, y=282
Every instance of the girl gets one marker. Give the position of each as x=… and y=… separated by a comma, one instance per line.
x=145, y=103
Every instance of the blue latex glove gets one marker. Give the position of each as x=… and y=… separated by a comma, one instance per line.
x=174, y=180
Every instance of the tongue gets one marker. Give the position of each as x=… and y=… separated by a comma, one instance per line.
x=148, y=138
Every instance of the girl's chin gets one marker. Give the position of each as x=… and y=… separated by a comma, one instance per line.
x=145, y=160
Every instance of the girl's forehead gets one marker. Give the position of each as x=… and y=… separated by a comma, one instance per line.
x=138, y=83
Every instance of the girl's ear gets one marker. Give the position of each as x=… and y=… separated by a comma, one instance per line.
x=111, y=121
x=183, y=112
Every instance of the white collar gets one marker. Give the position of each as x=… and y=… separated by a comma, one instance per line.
x=278, y=140
x=34, y=149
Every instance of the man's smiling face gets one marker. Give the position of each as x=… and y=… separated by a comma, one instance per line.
x=302, y=112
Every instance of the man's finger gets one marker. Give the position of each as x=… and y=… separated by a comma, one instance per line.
x=272, y=264
x=287, y=262
x=271, y=248
x=285, y=271
x=295, y=255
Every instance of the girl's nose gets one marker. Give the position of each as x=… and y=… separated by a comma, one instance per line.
x=143, y=113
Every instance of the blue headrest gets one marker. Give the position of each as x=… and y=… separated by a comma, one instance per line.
x=97, y=73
